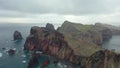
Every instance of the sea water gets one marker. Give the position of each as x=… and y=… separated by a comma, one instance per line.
x=113, y=43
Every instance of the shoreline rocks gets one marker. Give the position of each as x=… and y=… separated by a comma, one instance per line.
x=33, y=62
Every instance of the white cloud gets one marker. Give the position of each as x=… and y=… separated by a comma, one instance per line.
x=56, y=11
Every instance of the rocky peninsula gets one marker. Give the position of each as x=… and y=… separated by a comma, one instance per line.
x=76, y=43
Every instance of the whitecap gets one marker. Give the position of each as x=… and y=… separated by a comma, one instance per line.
x=0, y=54
x=60, y=65
x=38, y=52
x=24, y=61
x=24, y=56
x=14, y=48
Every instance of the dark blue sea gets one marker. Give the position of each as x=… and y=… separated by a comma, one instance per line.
x=20, y=59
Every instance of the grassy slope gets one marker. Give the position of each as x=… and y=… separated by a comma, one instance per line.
x=83, y=45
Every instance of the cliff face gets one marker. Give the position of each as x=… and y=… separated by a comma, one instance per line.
x=70, y=42
x=52, y=44
x=96, y=34
x=83, y=39
x=105, y=31
x=114, y=29
x=49, y=42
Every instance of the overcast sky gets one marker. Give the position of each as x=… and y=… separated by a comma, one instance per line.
x=56, y=11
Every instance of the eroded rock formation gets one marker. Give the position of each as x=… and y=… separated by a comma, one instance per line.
x=50, y=27
x=17, y=35
x=115, y=30
x=75, y=43
x=33, y=62
x=48, y=42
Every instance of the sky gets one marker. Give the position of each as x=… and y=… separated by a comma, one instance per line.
x=57, y=11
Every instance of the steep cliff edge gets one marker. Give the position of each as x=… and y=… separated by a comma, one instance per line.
x=114, y=29
x=94, y=34
x=49, y=42
x=83, y=39
x=53, y=43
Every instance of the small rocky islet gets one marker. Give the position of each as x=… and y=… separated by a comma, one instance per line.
x=17, y=36
x=74, y=43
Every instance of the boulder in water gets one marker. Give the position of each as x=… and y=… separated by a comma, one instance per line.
x=17, y=35
x=11, y=51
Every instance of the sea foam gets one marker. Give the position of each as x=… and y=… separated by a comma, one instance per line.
x=0, y=55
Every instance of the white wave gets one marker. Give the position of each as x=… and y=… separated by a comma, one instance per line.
x=24, y=61
x=0, y=54
x=24, y=56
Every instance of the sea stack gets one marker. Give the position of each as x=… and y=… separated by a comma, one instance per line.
x=17, y=35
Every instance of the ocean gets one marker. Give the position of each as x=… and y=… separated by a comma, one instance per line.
x=20, y=59
x=113, y=43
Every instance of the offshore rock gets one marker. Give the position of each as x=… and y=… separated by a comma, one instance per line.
x=17, y=35
x=11, y=51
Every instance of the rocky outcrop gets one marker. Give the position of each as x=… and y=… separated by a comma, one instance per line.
x=96, y=60
x=83, y=39
x=114, y=29
x=50, y=27
x=33, y=62
x=17, y=35
x=54, y=43
x=75, y=43
x=51, y=43
x=105, y=31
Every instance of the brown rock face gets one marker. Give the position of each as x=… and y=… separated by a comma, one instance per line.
x=105, y=31
x=106, y=34
x=53, y=43
x=33, y=62
x=49, y=42
x=78, y=48
x=83, y=39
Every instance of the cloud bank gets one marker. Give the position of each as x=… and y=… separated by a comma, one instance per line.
x=86, y=11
